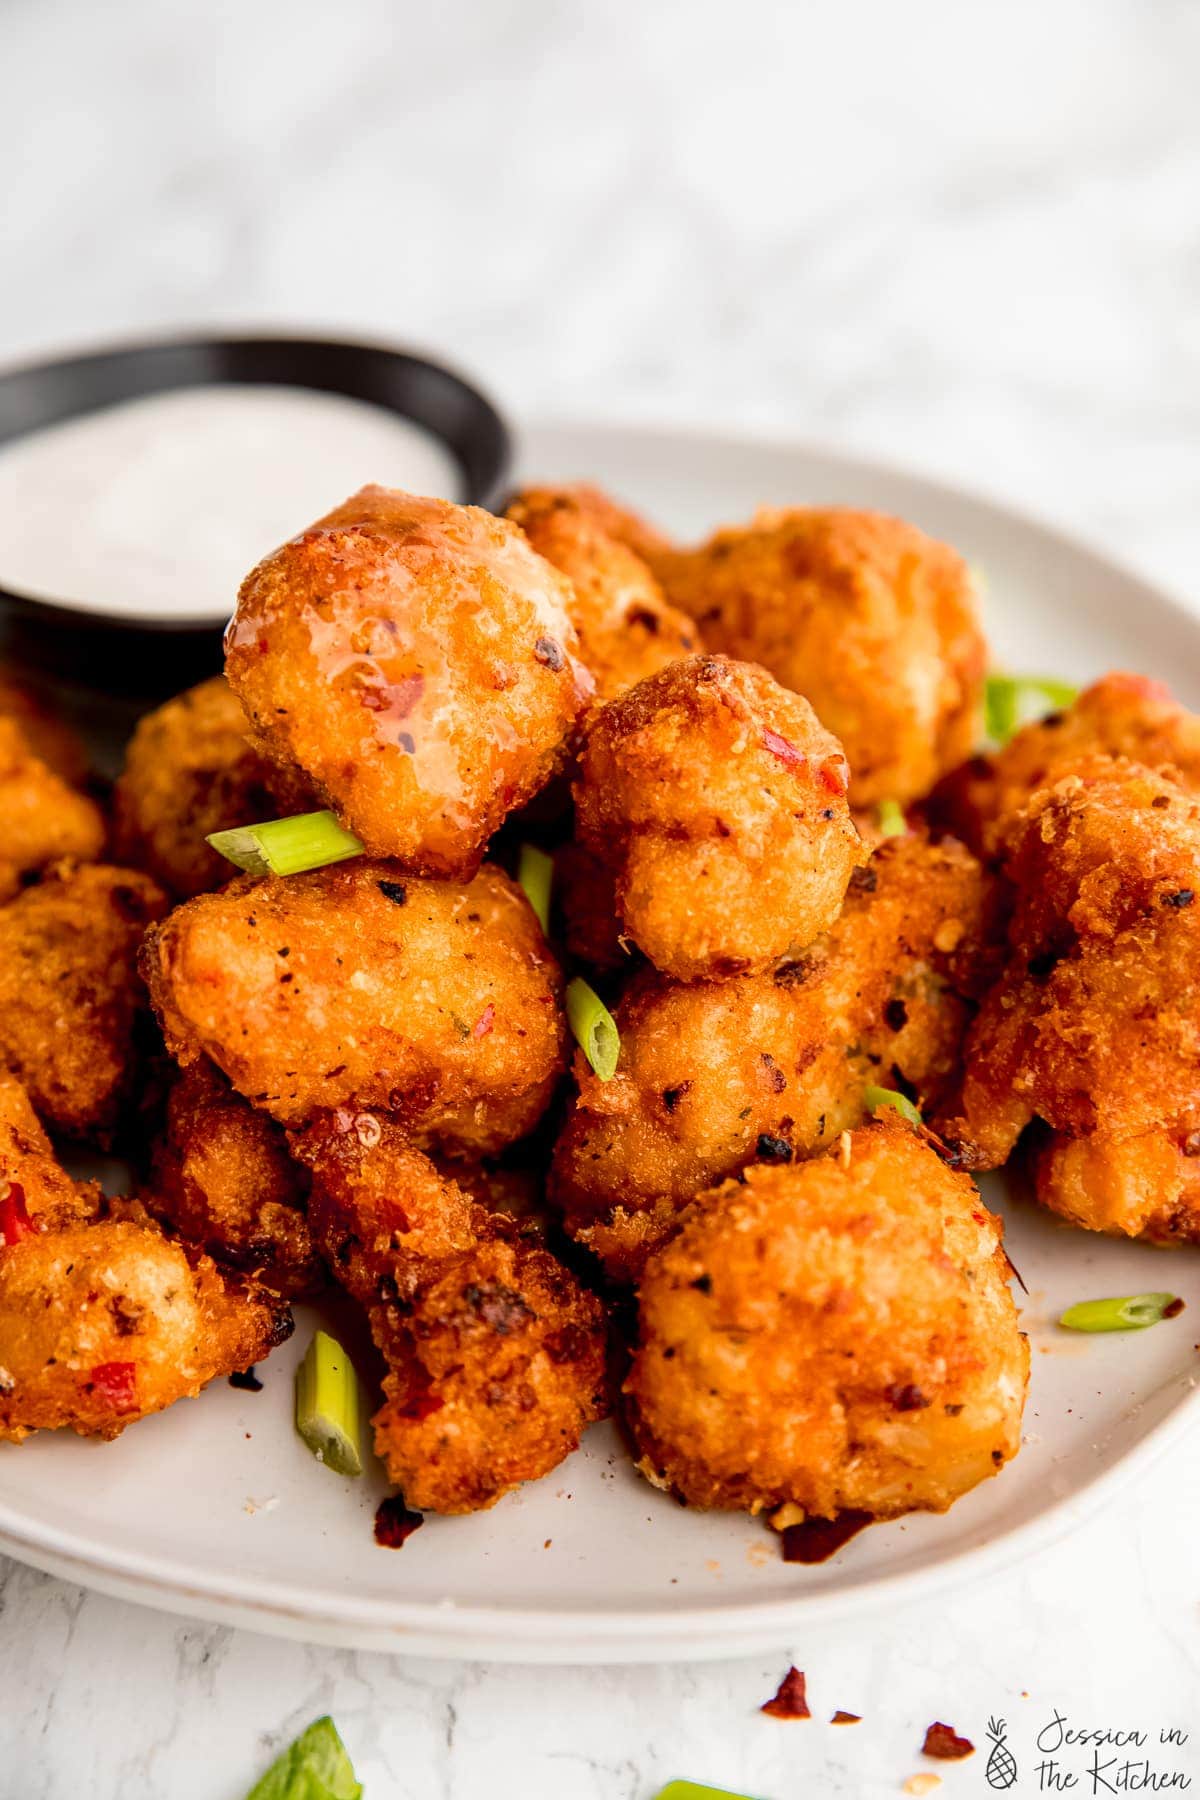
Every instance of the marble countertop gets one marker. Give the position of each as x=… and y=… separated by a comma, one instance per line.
x=963, y=237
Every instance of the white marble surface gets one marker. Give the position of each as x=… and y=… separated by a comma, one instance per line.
x=966, y=237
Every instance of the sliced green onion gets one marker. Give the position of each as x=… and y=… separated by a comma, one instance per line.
x=889, y=818
x=327, y=1405
x=535, y=872
x=875, y=1097
x=694, y=1790
x=1126, y=1312
x=315, y=1767
x=594, y=1027
x=287, y=846
x=1010, y=701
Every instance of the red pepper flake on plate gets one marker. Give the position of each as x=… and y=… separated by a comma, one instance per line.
x=394, y=1523
x=944, y=1742
x=790, y=1700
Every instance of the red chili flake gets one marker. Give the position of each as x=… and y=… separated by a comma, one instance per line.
x=483, y=1023
x=116, y=1384
x=15, y=1222
x=790, y=1700
x=845, y=1718
x=835, y=775
x=394, y=1524
x=395, y=697
x=944, y=1742
x=785, y=751
x=816, y=1540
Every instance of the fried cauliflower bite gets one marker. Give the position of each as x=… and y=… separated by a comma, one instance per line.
x=872, y=621
x=626, y=628
x=223, y=1179
x=495, y=1353
x=48, y=735
x=103, y=1323
x=720, y=804
x=71, y=1001
x=1119, y=715
x=1094, y=1026
x=609, y=516
x=715, y=1075
x=359, y=983
x=190, y=770
x=35, y=1190
x=831, y=1337
x=418, y=662
x=44, y=818
x=1147, y=1186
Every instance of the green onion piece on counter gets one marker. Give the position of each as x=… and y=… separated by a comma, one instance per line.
x=695, y=1790
x=594, y=1027
x=287, y=846
x=1010, y=701
x=875, y=1097
x=1126, y=1312
x=315, y=1767
x=889, y=818
x=327, y=1405
x=535, y=872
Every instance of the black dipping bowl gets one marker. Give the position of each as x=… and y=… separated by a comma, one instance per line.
x=90, y=657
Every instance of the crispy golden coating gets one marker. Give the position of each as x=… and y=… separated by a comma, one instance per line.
x=417, y=660
x=71, y=1001
x=605, y=514
x=189, y=770
x=362, y=984
x=103, y=1323
x=35, y=1189
x=831, y=1337
x=720, y=804
x=626, y=628
x=496, y=1354
x=1119, y=715
x=223, y=1179
x=1094, y=1026
x=714, y=1075
x=44, y=818
x=872, y=621
x=1146, y=1186
x=48, y=735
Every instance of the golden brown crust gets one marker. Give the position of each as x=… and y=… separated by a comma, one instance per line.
x=70, y=996
x=417, y=660
x=34, y=1186
x=626, y=627
x=719, y=803
x=1145, y=1186
x=713, y=1075
x=837, y=1335
x=48, y=735
x=496, y=1354
x=190, y=770
x=362, y=984
x=872, y=621
x=44, y=818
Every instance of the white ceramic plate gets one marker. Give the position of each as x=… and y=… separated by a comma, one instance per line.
x=215, y=1509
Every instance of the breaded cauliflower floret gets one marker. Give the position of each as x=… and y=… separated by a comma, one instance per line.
x=714, y=1075
x=190, y=770
x=71, y=1000
x=1094, y=1027
x=35, y=1189
x=834, y=1336
x=720, y=804
x=418, y=662
x=1146, y=1186
x=1119, y=715
x=626, y=628
x=362, y=984
x=872, y=621
x=222, y=1178
x=44, y=818
x=495, y=1353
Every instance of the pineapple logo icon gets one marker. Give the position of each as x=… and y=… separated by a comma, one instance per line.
x=1001, y=1764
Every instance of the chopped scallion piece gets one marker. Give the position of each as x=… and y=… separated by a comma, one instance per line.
x=287, y=846
x=1126, y=1312
x=889, y=819
x=535, y=872
x=315, y=1767
x=1011, y=701
x=594, y=1027
x=875, y=1097
x=695, y=1790
x=327, y=1405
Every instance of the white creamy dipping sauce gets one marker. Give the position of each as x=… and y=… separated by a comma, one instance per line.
x=159, y=507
